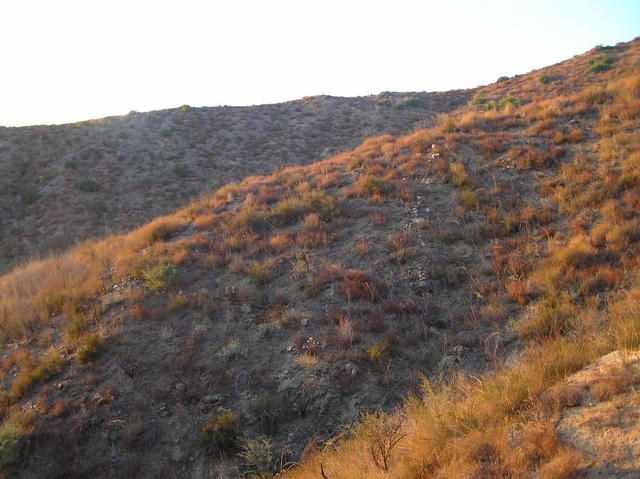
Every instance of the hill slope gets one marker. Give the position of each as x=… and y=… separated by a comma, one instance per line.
x=66, y=183
x=473, y=266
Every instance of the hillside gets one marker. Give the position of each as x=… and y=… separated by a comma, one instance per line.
x=426, y=305
x=66, y=183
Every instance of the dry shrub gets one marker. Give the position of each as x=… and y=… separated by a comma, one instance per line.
x=575, y=135
x=489, y=145
x=177, y=302
x=518, y=292
x=287, y=212
x=553, y=315
x=420, y=141
x=59, y=408
x=459, y=176
x=312, y=222
x=33, y=370
x=281, y=242
x=307, y=361
x=141, y=311
x=578, y=253
x=379, y=218
x=528, y=157
x=345, y=330
x=363, y=247
x=357, y=285
x=595, y=95
x=469, y=198
x=565, y=465
x=262, y=271
x=312, y=239
x=617, y=380
x=373, y=187
x=558, y=137
x=204, y=221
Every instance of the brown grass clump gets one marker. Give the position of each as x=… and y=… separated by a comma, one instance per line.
x=358, y=285
x=373, y=187
x=262, y=271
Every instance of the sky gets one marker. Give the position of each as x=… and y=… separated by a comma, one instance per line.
x=65, y=61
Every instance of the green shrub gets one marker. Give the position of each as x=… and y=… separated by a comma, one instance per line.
x=261, y=458
x=220, y=433
x=287, y=212
x=321, y=203
x=489, y=106
x=503, y=78
x=28, y=197
x=544, y=79
x=185, y=108
x=598, y=67
x=601, y=58
x=70, y=164
x=12, y=444
x=409, y=102
x=157, y=278
x=478, y=99
x=509, y=99
x=89, y=185
x=599, y=63
x=164, y=132
x=181, y=171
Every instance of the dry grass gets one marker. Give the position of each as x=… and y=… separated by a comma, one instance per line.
x=466, y=428
x=572, y=282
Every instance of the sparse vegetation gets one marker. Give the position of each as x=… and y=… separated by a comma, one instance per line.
x=12, y=445
x=509, y=100
x=599, y=63
x=497, y=251
x=159, y=276
x=28, y=197
x=89, y=348
x=261, y=458
x=221, y=433
x=88, y=185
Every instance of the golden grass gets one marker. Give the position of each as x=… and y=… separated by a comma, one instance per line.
x=466, y=428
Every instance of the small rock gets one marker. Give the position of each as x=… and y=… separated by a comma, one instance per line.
x=304, y=322
x=212, y=398
x=181, y=386
x=351, y=369
x=458, y=350
x=177, y=453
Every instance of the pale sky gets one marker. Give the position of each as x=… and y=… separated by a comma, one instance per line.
x=65, y=61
